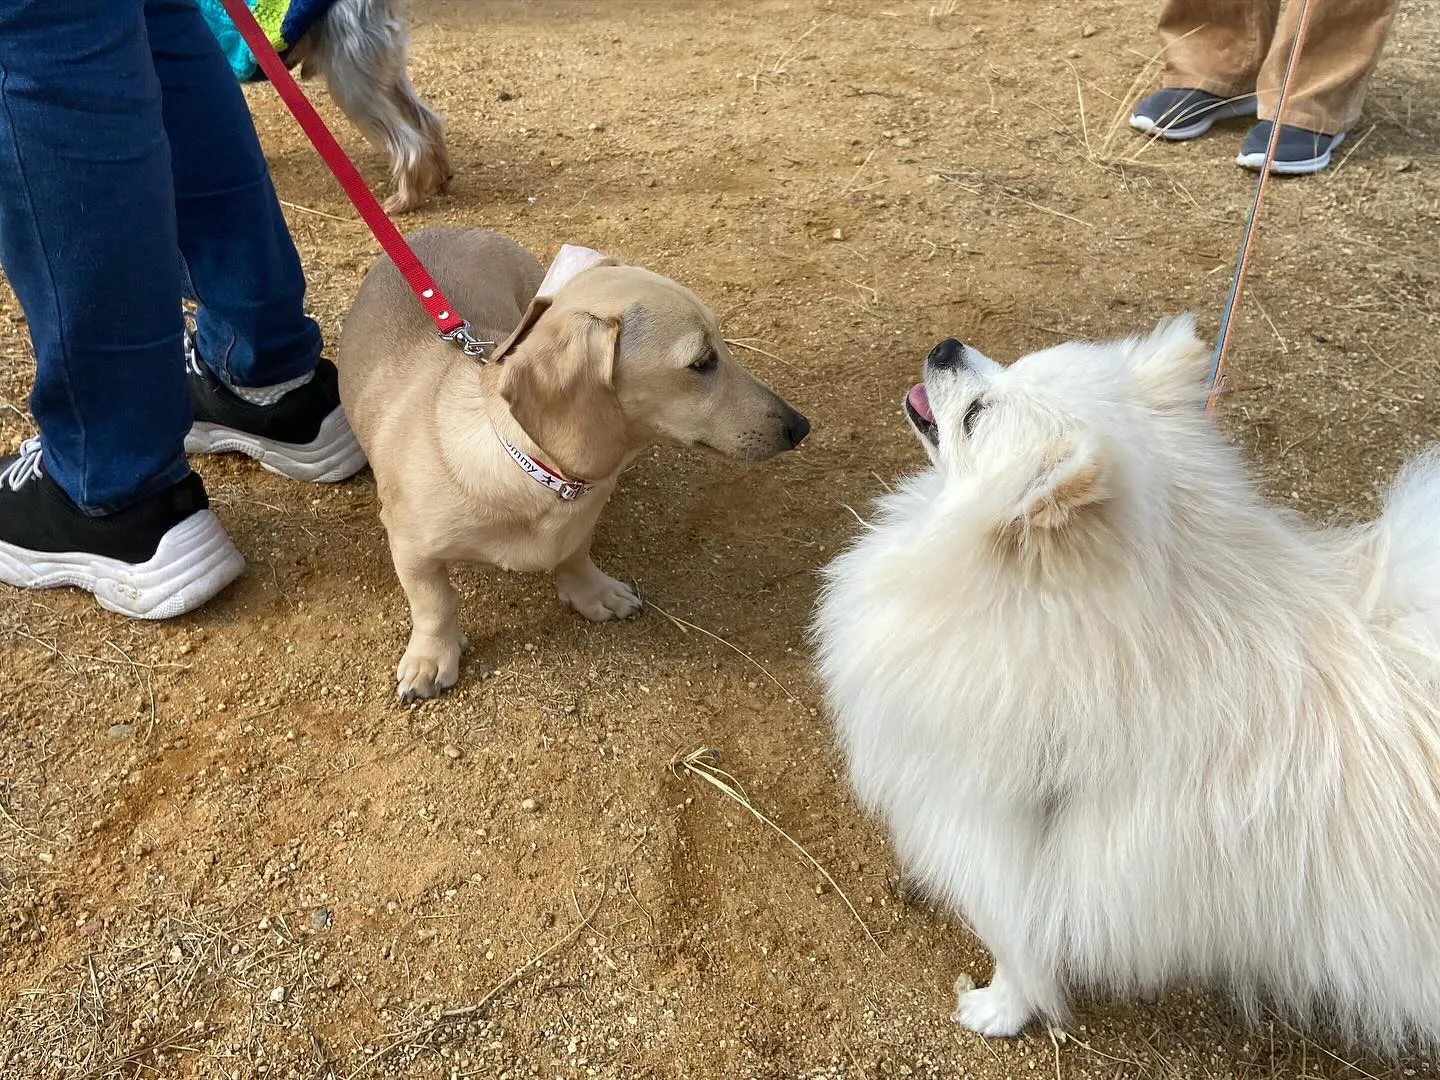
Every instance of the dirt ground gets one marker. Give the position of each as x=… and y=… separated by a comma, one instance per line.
x=225, y=851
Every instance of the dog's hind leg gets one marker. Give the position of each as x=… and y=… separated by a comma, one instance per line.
x=359, y=47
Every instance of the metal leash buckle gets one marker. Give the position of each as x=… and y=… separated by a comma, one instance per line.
x=468, y=342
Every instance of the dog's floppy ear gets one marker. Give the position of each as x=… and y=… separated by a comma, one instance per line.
x=561, y=391
x=1073, y=482
x=570, y=260
x=1170, y=364
x=533, y=311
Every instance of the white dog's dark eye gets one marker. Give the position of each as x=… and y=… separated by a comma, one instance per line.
x=972, y=414
x=706, y=362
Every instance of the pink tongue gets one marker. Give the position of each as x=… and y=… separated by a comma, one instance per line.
x=920, y=402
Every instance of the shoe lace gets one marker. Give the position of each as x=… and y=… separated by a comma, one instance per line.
x=192, y=354
x=24, y=468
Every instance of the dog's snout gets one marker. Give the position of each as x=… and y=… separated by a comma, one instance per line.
x=945, y=356
x=796, y=427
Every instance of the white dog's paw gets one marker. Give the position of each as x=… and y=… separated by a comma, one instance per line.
x=429, y=667
x=599, y=597
x=995, y=1011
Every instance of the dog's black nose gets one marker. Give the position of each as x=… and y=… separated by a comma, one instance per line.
x=796, y=428
x=948, y=354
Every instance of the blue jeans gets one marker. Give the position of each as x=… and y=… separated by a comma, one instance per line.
x=130, y=176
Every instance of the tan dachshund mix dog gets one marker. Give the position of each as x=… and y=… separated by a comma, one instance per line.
x=510, y=462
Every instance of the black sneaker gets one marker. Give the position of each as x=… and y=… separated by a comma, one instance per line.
x=304, y=435
x=159, y=558
x=1176, y=113
x=1298, y=151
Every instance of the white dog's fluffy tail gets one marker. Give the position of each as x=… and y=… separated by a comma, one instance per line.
x=1408, y=547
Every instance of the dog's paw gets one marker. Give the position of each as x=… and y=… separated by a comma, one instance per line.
x=994, y=1011
x=599, y=597
x=429, y=667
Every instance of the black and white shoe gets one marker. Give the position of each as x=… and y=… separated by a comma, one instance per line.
x=303, y=435
x=159, y=558
x=1177, y=113
x=1298, y=151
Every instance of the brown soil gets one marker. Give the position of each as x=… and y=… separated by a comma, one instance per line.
x=224, y=849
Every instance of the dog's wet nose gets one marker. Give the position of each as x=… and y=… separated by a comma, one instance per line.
x=796, y=428
x=948, y=354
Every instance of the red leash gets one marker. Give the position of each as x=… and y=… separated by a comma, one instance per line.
x=448, y=323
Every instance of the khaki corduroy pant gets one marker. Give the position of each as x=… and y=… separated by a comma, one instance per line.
x=1234, y=47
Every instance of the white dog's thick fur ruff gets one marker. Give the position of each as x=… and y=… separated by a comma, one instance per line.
x=1132, y=722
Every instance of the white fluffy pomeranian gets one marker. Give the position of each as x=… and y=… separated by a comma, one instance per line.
x=1136, y=725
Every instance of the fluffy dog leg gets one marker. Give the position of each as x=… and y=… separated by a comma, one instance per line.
x=1000, y=1009
x=360, y=49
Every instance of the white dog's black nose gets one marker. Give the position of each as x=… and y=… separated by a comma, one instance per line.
x=948, y=354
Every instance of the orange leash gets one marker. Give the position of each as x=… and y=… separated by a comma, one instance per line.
x=1217, y=363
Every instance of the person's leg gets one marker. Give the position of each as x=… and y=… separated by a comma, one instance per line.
x=88, y=243
x=243, y=269
x=1327, y=87
x=1332, y=72
x=1211, y=52
x=258, y=384
x=1215, y=45
x=103, y=498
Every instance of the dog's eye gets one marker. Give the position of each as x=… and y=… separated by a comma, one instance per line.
x=706, y=362
x=972, y=414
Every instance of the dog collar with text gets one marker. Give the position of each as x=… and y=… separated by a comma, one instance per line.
x=543, y=474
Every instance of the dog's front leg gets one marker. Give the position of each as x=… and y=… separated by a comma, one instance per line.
x=431, y=663
x=1001, y=1009
x=596, y=595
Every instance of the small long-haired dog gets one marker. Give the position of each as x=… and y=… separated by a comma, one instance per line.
x=359, y=47
x=1137, y=725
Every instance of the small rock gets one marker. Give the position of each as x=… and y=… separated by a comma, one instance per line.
x=903, y=141
x=1088, y=31
x=597, y=127
x=320, y=918
x=332, y=981
x=963, y=983
x=119, y=731
x=1395, y=163
x=277, y=996
x=838, y=234
x=175, y=955
x=1074, y=54
x=529, y=805
x=504, y=95
x=451, y=751
x=140, y=848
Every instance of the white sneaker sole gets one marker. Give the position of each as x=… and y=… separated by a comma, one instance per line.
x=194, y=561
x=333, y=455
x=1319, y=163
x=1228, y=111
